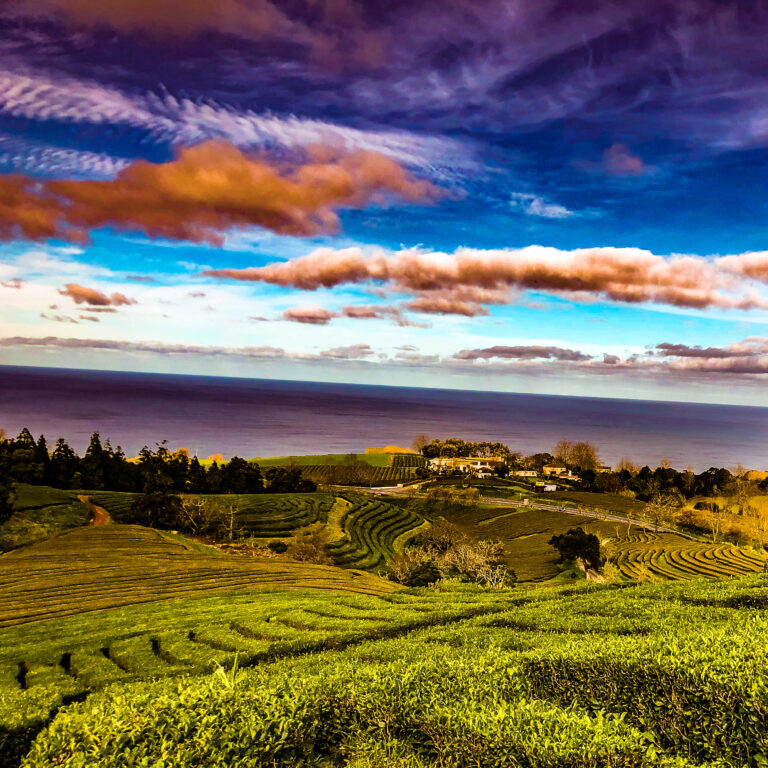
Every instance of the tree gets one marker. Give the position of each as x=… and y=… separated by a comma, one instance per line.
x=420, y=442
x=92, y=465
x=7, y=493
x=241, y=476
x=158, y=506
x=579, y=546
x=284, y=480
x=564, y=452
x=311, y=546
x=64, y=465
x=422, y=575
x=584, y=456
x=662, y=508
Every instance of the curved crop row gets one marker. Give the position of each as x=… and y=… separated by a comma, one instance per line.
x=636, y=559
x=370, y=531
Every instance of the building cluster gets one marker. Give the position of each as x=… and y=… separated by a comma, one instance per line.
x=475, y=466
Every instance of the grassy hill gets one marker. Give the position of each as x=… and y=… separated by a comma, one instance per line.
x=93, y=568
x=40, y=511
x=420, y=678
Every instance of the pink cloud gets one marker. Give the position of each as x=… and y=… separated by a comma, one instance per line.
x=468, y=280
x=83, y=295
x=309, y=315
x=619, y=161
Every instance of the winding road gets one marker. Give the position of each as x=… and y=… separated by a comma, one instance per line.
x=99, y=515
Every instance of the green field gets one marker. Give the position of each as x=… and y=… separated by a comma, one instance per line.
x=640, y=554
x=323, y=474
x=374, y=459
x=40, y=511
x=578, y=677
x=610, y=502
x=93, y=568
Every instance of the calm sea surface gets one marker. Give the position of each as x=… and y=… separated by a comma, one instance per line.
x=255, y=417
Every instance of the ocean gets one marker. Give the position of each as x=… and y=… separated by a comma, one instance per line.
x=258, y=417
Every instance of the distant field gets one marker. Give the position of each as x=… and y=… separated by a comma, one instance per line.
x=640, y=555
x=374, y=459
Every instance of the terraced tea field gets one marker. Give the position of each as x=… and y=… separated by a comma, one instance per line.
x=647, y=556
x=323, y=474
x=365, y=533
x=641, y=554
x=94, y=568
x=373, y=531
x=420, y=678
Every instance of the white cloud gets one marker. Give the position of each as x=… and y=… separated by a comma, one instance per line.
x=534, y=205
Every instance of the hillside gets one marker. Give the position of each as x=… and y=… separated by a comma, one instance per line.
x=420, y=678
x=364, y=532
x=638, y=553
x=95, y=568
x=40, y=511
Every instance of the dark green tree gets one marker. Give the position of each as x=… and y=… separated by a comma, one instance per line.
x=92, y=464
x=577, y=545
x=423, y=575
x=288, y=480
x=241, y=476
x=197, y=481
x=64, y=465
x=7, y=494
x=158, y=506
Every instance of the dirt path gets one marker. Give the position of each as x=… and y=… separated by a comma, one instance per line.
x=99, y=515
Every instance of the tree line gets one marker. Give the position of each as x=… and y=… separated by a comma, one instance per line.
x=104, y=468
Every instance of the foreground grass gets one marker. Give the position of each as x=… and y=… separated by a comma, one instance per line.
x=656, y=675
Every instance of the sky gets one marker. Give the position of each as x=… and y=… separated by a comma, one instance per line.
x=555, y=197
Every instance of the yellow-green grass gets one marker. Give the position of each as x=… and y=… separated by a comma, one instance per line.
x=420, y=679
x=374, y=459
x=94, y=568
x=40, y=511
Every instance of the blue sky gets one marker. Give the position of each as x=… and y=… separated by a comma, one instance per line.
x=516, y=196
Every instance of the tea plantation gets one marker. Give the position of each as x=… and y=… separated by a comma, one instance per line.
x=365, y=532
x=669, y=674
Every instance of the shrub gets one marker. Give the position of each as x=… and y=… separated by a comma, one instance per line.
x=423, y=575
x=278, y=547
x=311, y=546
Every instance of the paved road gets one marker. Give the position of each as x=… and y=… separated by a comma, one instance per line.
x=597, y=514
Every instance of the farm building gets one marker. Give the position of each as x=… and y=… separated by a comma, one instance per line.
x=471, y=465
x=554, y=469
x=524, y=473
x=546, y=487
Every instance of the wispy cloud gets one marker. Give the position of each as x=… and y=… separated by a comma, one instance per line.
x=534, y=205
